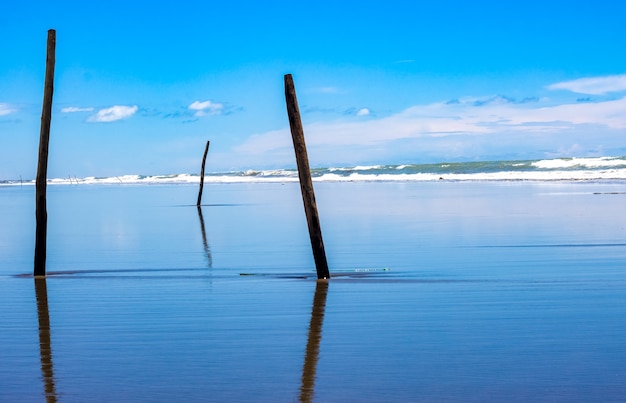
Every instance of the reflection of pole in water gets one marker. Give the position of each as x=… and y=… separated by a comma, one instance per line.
x=207, y=250
x=309, y=368
x=45, y=349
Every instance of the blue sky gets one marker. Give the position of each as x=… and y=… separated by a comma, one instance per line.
x=139, y=88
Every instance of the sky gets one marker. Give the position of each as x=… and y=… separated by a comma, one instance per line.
x=140, y=87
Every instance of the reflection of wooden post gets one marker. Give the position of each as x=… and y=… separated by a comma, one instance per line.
x=45, y=348
x=306, y=184
x=41, y=213
x=309, y=369
x=205, y=242
x=206, y=150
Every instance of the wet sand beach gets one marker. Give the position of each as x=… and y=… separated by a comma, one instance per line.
x=440, y=291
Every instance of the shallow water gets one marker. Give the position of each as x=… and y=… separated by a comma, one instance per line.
x=441, y=291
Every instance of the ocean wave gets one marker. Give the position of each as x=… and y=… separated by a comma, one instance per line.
x=569, y=163
x=356, y=168
x=484, y=177
x=561, y=169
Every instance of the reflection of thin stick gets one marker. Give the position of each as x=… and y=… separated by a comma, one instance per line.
x=207, y=250
x=45, y=349
x=309, y=368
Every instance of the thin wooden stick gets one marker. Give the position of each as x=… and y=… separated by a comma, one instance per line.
x=206, y=150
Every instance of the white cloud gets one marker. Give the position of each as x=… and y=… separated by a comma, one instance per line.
x=206, y=108
x=363, y=112
x=72, y=109
x=113, y=113
x=593, y=85
x=6, y=109
x=609, y=114
x=450, y=119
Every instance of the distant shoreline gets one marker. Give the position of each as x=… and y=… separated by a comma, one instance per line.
x=548, y=170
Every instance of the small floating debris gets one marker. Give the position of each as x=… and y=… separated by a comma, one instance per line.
x=372, y=269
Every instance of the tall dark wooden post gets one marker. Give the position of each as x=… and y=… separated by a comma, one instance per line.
x=306, y=184
x=206, y=150
x=41, y=213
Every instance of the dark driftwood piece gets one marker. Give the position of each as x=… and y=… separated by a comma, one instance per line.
x=41, y=213
x=306, y=184
x=206, y=151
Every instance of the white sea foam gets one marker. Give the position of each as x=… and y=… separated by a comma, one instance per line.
x=599, y=162
x=575, y=169
x=366, y=167
x=614, y=174
x=557, y=175
x=356, y=168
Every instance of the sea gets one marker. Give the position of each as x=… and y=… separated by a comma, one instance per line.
x=455, y=282
x=558, y=169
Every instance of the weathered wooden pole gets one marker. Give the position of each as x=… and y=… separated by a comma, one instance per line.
x=206, y=150
x=306, y=184
x=41, y=213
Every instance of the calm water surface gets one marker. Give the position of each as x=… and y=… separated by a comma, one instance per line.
x=442, y=292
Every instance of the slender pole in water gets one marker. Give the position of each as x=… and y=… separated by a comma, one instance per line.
x=41, y=213
x=206, y=150
x=306, y=184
